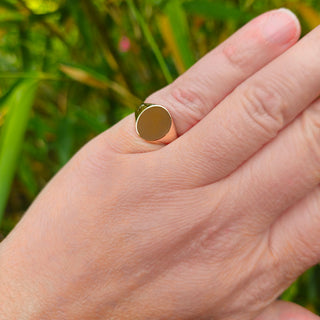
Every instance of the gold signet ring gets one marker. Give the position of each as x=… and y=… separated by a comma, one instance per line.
x=154, y=123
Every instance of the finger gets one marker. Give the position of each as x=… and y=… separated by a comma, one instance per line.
x=281, y=174
x=282, y=310
x=250, y=116
x=211, y=79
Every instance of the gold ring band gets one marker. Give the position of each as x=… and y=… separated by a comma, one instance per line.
x=154, y=123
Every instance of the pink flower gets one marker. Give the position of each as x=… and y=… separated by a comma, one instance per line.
x=124, y=44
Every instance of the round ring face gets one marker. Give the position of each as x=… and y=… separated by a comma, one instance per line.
x=153, y=123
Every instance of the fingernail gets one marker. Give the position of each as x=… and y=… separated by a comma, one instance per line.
x=281, y=26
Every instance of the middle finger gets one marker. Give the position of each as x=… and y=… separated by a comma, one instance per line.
x=250, y=116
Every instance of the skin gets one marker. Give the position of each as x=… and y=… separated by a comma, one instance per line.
x=214, y=225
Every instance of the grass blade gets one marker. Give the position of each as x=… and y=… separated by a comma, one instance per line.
x=180, y=33
x=151, y=41
x=19, y=104
x=96, y=80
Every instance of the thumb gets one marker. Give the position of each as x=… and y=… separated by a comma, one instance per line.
x=282, y=310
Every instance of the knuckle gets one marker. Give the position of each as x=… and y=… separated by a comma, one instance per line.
x=277, y=259
x=189, y=101
x=265, y=106
x=310, y=253
x=293, y=257
x=235, y=57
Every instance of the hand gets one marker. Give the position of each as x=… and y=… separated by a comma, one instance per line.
x=214, y=225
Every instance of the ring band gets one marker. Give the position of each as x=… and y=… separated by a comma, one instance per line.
x=154, y=123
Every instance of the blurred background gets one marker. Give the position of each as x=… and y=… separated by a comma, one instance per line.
x=71, y=69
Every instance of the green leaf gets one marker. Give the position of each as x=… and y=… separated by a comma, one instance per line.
x=153, y=44
x=27, y=177
x=19, y=103
x=219, y=10
x=82, y=24
x=95, y=123
x=180, y=32
x=7, y=5
x=291, y=292
x=96, y=80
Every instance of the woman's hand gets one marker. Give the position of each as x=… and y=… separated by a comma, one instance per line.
x=214, y=225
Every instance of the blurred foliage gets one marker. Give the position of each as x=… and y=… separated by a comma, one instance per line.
x=71, y=69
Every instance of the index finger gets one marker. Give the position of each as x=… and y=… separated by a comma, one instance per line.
x=194, y=94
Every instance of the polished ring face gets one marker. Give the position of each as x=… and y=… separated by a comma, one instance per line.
x=153, y=122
